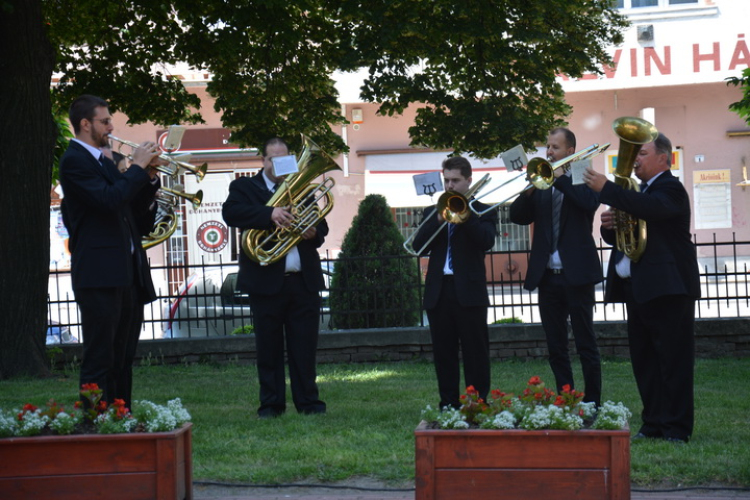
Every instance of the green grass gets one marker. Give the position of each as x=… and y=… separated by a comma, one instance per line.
x=374, y=408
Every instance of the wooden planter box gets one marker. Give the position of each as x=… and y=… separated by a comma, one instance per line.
x=98, y=466
x=512, y=464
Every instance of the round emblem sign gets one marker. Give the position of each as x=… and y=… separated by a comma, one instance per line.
x=212, y=236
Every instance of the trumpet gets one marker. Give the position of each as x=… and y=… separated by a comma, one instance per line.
x=541, y=175
x=167, y=220
x=170, y=195
x=453, y=207
x=172, y=169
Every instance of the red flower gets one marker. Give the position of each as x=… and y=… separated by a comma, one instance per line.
x=535, y=380
x=90, y=387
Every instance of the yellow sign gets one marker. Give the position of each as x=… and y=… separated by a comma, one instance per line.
x=676, y=159
x=710, y=176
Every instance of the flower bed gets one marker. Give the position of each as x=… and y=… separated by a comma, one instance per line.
x=96, y=451
x=538, y=445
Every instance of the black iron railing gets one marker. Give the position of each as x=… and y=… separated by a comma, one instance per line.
x=200, y=300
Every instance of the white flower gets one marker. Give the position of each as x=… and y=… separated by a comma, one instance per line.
x=612, y=416
x=32, y=423
x=503, y=420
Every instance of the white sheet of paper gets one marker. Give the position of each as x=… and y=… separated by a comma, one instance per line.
x=515, y=158
x=174, y=138
x=576, y=170
x=284, y=165
x=429, y=183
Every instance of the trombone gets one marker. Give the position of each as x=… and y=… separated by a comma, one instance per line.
x=453, y=207
x=174, y=166
x=540, y=174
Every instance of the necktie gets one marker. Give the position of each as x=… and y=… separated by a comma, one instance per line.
x=557, y=199
x=451, y=228
x=644, y=185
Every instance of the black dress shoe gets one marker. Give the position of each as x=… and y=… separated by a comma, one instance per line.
x=269, y=413
x=676, y=440
x=641, y=435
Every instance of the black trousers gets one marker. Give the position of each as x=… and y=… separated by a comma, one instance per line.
x=291, y=318
x=111, y=320
x=662, y=351
x=557, y=302
x=457, y=329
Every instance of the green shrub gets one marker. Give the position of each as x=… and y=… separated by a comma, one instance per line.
x=507, y=320
x=244, y=330
x=375, y=282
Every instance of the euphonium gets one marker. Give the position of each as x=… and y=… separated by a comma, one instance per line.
x=631, y=232
x=166, y=218
x=296, y=192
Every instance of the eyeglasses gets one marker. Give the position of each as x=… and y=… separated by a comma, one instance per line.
x=103, y=121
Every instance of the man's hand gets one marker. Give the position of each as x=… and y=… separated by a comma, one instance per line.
x=594, y=179
x=608, y=219
x=145, y=153
x=310, y=233
x=282, y=217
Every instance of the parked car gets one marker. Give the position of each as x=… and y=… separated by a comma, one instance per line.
x=208, y=305
x=57, y=334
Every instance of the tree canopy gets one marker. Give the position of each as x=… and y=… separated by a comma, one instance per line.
x=484, y=73
x=742, y=107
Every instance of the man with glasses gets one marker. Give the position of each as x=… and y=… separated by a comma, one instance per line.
x=106, y=212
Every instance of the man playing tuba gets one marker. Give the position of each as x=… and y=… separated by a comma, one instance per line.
x=659, y=289
x=284, y=294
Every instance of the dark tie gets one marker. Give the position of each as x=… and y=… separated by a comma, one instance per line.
x=451, y=228
x=644, y=185
x=557, y=199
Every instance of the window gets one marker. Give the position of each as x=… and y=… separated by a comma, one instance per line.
x=635, y=4
x=510, y=236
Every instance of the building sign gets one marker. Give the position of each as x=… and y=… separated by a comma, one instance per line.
x=208, y=235
x=676, y=163
x=684, y=60
x=212, y=236
x=712, y=191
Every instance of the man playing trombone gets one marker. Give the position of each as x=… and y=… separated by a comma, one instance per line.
x=564, y=266
x=456, y=289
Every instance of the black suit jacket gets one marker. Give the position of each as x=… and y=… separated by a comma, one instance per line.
x=471, y=240
x=575, y=245
x=245, y=208
x=669, y=265
x=106, y=213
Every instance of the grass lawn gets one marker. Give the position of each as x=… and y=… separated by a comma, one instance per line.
x=374, y=408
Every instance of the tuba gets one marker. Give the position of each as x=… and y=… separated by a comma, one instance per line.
x=630, y=231
x=266, y=246
x=166, y=219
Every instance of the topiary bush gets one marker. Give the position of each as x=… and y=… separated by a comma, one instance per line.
x=375, y=282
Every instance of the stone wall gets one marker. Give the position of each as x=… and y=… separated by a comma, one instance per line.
x=714, y=338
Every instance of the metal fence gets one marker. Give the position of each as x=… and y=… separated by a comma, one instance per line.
x=206, y=303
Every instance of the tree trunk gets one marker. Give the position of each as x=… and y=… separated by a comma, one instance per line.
x=27, y=134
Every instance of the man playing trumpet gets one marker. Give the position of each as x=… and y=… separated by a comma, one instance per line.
x=106, y=212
